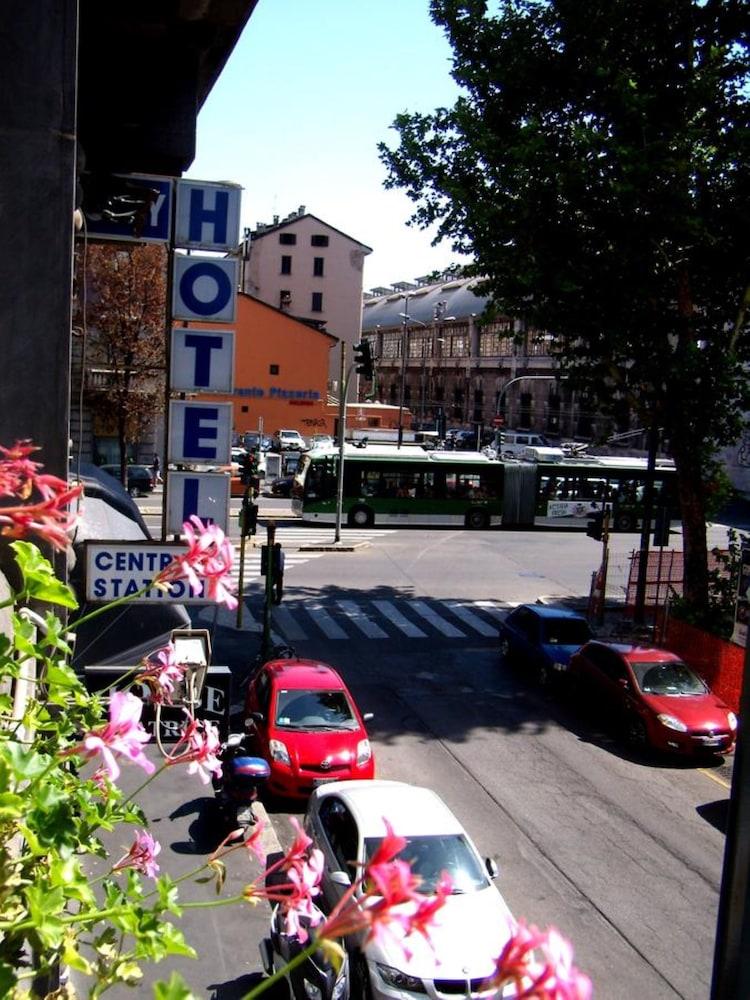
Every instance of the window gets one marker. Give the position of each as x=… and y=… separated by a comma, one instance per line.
x=318, y=263
x=317, y=302
x=318, y=241
x=285, y=298
x=244, y=409
x=288, y=239
x=273, y=369
x=286, y=264
x=524, y=416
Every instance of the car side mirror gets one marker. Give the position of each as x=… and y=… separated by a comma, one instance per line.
x=624, y=683
x=368, y=715
x=492, y=869
x=341, y=878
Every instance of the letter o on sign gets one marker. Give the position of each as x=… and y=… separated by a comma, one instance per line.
x=204, y=288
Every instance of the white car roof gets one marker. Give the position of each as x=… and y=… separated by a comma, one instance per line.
x=410, y=809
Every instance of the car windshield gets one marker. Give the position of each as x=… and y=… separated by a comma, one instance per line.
x=566, y=632
x=667, y=677
x=430, y=856
x=297, y=709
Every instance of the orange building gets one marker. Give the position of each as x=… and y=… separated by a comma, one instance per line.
x=281, y=369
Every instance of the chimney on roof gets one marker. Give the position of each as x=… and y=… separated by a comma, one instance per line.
x=301, y=210
x=275, y=220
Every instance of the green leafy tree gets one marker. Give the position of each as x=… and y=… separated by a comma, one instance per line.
x=596, y=166
x=122, y=297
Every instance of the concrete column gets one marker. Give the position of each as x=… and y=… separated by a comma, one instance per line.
x=38, y=49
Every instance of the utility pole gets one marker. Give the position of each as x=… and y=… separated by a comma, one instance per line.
x=270, y=570
x=343, y=391
x=639, y=612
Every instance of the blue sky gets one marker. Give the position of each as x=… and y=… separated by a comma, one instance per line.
x=297, y=113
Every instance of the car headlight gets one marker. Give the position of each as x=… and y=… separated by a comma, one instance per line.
x=671, y=723
x=279, y=752
x=400, y=980
x=732, y=720
x=364, y=752
x=557, y=665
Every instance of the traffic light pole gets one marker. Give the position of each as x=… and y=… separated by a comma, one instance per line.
x=344, y=390
x=265, y=646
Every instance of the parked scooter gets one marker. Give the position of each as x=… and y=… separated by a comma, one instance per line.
x=315, y=977
x=241, y=779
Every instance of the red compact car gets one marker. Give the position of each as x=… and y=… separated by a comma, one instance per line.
x=303, y=721
x=661, y=701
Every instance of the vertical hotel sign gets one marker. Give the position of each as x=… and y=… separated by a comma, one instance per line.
x=206, y=218
x=204, y=289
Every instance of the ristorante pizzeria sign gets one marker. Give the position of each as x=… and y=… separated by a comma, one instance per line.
x=274, y=392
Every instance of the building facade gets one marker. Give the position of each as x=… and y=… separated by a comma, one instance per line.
x=438, y=355
x=307, y=269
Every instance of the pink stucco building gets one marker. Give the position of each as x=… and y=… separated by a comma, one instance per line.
x=309, y=269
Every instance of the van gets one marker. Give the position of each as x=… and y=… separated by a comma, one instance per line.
x=513, y=443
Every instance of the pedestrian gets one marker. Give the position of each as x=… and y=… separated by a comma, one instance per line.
x=156, y=471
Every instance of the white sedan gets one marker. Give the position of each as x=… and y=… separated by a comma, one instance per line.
x=346, y=821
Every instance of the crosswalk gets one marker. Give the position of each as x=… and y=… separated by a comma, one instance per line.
x=379, y=620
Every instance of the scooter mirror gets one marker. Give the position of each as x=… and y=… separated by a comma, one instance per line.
x=491, y=865
x=234, y=739
x=340, y=878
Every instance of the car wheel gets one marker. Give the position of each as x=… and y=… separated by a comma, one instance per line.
x=506, y=651
x=477, y=519
x=625, y=522
x=360, y=517
x=636, y=733
x=544, y=677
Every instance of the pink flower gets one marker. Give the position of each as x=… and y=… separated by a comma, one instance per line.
x=208, y=557
x=202, y=743
x=141, y=855
x=49, y=517
x=540, y=966
x=123, y=736
x=162, y=675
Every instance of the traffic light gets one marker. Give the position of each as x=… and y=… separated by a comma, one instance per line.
x=248, y=519
x=248, y=468
x=264, y=558
x=595, y=527
x=363, y=359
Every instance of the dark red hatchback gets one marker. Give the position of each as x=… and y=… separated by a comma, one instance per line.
x=303, y=720
x=662, y=703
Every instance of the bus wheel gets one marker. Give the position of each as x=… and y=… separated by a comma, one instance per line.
x=477, y=519
x=624, y=522
x=360, y=517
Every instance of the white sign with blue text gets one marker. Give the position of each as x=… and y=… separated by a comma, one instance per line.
x=122, y=569
x=203, y=494
x=207, y=215
x=204, y=288
x=202, y=360
x=200, y=433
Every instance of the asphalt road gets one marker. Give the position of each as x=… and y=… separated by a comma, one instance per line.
x=623, y=854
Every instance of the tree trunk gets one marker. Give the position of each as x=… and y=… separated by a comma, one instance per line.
x=692, y=497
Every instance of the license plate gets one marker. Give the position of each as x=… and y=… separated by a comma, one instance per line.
x=323, y=781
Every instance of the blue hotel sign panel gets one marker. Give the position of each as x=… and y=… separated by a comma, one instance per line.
x=206, y=217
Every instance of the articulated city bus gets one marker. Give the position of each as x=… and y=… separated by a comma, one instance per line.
x=408, y=485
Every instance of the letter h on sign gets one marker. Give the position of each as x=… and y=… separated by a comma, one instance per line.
x=207, y=215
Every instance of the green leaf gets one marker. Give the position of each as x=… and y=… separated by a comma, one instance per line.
x=26, y=763
x=39, y=576
x=7, y=979
x=175, y=989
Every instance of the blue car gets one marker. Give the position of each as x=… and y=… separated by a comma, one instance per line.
x=541, y=639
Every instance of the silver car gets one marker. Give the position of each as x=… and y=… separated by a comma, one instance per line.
x=346, y=821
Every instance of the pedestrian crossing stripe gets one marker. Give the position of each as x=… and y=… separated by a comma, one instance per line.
x=382, y=620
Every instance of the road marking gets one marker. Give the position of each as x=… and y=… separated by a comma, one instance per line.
x=470, y=619
x=256, y=626
x=394, y=616
x=288, y=624
x=436, y=621
x=715, y=777
x=492, y=609
x=358, y=618
x=325, y=623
